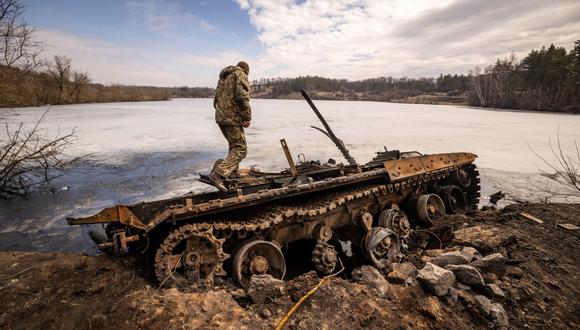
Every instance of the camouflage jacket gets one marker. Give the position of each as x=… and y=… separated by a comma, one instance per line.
x=232, y=97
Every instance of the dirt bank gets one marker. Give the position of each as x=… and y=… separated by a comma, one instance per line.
x=537, y=281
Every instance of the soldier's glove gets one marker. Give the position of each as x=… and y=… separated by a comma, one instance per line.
x=246, y=124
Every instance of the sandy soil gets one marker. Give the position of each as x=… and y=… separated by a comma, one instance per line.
x=540, y=282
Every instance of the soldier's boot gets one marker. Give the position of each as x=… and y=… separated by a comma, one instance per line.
x=217, y=181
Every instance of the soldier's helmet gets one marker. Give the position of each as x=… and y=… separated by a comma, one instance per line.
x=244, y=67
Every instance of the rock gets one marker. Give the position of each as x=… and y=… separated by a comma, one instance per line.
x=438, y=280
x=401, y=272
x=431, y=307
x=490, y=263
x=300, y=285
x=552, y=282
x=466, y=297
x=499, y=316
x=496, y=291
x=482, y=237
x=462, y=286
x=452, y=296
x=515, y=272
x=434, y=253
x=265, y=313
x=451, y=258
x=471, y=253
x=489, y=277
x=372, y=278
x=238, y=294
x=484, y=304
x=467, y=275
x=263, y=287
x=496, y=197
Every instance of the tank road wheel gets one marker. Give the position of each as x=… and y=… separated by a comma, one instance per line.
x=189, y=256
x=462, y=177
x=396, y=220
x=430, y=207
x=258, y=258
x=382, y=247
x=324, y=258
x=454, y=198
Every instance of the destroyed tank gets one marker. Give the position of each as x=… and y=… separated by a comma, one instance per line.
x=333, y=212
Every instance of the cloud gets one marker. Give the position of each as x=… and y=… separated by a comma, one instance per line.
x=357, y=39
x=160, y=15
x=114, y=63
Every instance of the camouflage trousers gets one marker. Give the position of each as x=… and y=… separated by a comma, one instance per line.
x=237, y=149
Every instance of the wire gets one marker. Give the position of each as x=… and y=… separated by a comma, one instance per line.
x=297, y=304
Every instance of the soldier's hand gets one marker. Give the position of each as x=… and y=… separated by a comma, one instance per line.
x=246, y=124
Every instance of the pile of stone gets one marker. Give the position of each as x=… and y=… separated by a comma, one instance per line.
x=462, y=275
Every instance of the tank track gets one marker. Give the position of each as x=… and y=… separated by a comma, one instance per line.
x=473, y=192
x=295, y=212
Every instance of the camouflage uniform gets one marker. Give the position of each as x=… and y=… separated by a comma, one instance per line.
x=232, y=109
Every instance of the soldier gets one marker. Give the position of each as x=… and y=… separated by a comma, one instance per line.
x=232, y=114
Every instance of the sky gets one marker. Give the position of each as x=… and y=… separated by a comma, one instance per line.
x=187, y=42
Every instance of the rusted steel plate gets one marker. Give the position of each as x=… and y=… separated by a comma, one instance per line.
x=462, y=158
x=401, y=169
x=119, y=213
x=436, y=162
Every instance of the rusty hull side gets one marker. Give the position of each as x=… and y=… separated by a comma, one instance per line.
x=393, y=171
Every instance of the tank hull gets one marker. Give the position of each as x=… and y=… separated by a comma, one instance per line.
x=198, y=237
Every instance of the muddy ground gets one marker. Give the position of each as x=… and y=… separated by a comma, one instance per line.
x=539, y=287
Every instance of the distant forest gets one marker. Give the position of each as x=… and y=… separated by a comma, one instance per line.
x=547, y=79
x=373, y=89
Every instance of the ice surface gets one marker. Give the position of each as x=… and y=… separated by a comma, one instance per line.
x=130, y=152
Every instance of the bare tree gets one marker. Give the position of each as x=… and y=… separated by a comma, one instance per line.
x=17, y=45
x=60, y=71
x=79, y=82
x=482, y=83
x=28, y=157
x=566, y=168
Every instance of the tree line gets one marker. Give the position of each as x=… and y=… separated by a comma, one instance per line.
x=547, y=79
x=56, y=83
x=375, y=89
x=28, y=80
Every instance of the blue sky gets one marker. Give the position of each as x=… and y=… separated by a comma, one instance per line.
x=178, y=42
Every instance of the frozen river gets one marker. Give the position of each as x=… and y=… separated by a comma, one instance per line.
x=132, y=152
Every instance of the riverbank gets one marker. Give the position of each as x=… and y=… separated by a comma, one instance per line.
x=538, y=287
x=386, y=96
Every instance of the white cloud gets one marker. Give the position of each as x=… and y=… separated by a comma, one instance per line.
x=357, y=39
x=114, y=63
x=160, y=15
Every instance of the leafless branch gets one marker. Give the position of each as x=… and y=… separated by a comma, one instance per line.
x=566, y=169
x=28, y=158
x=18, y=48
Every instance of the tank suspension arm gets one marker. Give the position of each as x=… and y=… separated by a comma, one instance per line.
x=329, y=131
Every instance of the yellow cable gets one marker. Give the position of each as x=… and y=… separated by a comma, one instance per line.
x=299, y=302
